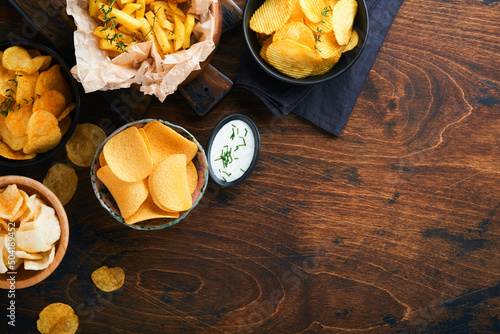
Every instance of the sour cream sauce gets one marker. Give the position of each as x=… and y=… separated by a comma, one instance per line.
x=233, y=149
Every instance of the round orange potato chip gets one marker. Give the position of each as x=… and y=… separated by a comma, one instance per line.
x=108, y=279
x=83, y=144
x=168, y=184
x=7, y=152
x=352, y=42
x=192, y=176
x=17, y=58
x=128, y=195
x=292, y=58
x=326, y=65
x=128, y=156
x=14, y=142
x=57, y=318
x=166, y=141
x=62, y=180
x=149, y=210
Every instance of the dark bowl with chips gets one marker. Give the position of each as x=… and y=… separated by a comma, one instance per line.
x=10, y=158
x=107, y=201
x=361, y=26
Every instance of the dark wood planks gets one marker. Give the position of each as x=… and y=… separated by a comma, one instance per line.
x=390, y=228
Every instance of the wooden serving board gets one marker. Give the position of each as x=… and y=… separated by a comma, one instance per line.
x=202, y=93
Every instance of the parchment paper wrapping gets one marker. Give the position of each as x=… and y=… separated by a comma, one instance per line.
x=141, y=64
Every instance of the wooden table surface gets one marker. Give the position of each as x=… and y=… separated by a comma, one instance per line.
x=392, y=227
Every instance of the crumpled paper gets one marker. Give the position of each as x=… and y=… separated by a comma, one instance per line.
x=141, y=64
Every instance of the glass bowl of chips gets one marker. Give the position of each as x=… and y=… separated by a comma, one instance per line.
x=149, y=174
x=35, y=215
x=39, y=103
x=305, y=42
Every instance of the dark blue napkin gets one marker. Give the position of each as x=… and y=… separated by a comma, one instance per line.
x=329, y=104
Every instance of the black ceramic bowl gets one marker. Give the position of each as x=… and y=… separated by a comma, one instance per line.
x=65, y=70
x=361, y=24
x=246, y=174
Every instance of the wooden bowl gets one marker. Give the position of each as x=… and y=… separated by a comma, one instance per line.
x=217, y=12
x=27, y=278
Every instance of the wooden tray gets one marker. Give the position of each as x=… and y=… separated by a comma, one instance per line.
x=202, y=93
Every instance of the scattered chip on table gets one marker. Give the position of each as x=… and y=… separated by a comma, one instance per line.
x=62, y=180
x=83, y=144
x=57, y=318
x=108, y=279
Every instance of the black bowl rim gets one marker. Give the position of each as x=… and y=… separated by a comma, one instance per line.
x=283, y=77
x=44, y=156
x=250, y=169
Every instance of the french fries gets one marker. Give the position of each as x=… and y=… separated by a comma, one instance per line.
x=123, y=22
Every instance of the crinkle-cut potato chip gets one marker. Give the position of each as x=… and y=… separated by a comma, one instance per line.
x=64, y=124
x=25, y=92
x=352, y=42
x=108, y=279
x=296, y=15
x=326, y=65
x=271, y=16
x=15, y=143
x=52, y=79
x=312, y=9
x=128, y=195
x=51, y=101
x=10, y=201
x=327, y=46
x=83, y=144
x=17, y=120
x=324, y=25
x=192, y=176
x=69, y=108
x=57, y=318
x=292, y=58
x=4, y=225
x=168, y=184
x=62, y=180
x=44, y=262
x=265, y=45
x=7, y=152
x=16, y=58
x=166, y=141
x=261, y=38
x=298, y=32
x=149, y=210
x=43, y=133
x=128, y=156
x=343, y=19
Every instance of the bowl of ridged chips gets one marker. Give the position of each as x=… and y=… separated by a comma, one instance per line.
x=305, y=41
x=149, y=174
x=39, y=103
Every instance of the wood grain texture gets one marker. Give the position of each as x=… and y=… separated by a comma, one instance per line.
x=390, y=228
